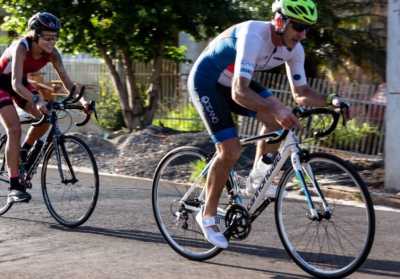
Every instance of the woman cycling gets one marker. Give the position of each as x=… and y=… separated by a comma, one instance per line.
x=28, y=54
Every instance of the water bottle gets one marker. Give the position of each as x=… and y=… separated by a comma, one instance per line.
x=257, y=174
x=33, y=153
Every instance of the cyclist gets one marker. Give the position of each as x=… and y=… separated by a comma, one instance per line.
x=220, y=82
x=28, y=54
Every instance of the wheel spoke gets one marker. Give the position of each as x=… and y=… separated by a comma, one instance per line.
x=336, y=244
x=70, y=203
x=177, y=187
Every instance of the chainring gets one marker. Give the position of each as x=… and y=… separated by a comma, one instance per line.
x=237, y=222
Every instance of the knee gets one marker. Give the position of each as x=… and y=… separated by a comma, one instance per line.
x=230, y=154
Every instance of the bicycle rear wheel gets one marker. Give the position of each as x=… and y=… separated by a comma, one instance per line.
x=70, y=181
x=177, y=197
x=4, y=179
x=335, y=246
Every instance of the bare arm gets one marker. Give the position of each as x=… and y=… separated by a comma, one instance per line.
x=58, y=65
x=244, y=96
x=306, y=96
x=18, y=58
x=267, y=109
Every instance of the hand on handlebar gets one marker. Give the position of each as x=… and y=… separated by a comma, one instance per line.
x=340, y=104
x=42, y=107
x=276, y=112
x=87, y=106
x=344, y=107
x=286, y=119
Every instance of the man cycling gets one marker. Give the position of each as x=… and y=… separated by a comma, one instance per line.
x=28, y=54
x=220, y=82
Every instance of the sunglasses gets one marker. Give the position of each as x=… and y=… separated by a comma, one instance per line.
x=49, y=38
x=299, y=27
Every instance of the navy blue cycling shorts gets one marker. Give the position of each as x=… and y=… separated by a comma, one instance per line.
x=216, y=107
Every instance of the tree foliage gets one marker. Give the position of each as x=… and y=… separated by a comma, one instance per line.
x=124, y=31
x=348, y=34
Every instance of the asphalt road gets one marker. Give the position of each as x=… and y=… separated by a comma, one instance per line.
x=121, y=240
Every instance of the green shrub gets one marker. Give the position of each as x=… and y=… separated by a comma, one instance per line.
x=184, y=118
x=197, y=168
x=109, y=108
x=354, y=131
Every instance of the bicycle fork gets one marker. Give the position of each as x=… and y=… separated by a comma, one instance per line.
x=61, y=152
x=301, y=168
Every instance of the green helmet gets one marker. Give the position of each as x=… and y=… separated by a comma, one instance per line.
x=302, y=10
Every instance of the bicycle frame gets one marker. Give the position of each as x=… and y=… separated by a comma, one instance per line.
x=54, y=136
x=289, y=149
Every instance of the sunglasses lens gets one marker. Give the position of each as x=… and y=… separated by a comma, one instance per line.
x=299, y=27
x=49, y=38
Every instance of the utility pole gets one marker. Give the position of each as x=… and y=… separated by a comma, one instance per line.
x=392, y=133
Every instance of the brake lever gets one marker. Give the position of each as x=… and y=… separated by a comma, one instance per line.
x=93, y=109
x=345, y=112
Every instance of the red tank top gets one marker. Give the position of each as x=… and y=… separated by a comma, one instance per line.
x=30, y=64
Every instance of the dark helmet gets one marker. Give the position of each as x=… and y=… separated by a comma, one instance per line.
x=44, y=21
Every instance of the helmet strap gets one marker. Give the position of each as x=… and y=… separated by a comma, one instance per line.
x=280, y=23
x=36, y=35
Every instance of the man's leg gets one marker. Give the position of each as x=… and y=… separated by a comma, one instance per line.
x=262, y=146
x=228, y=152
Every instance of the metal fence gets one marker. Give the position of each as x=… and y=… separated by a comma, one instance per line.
x=364, y=136
x=176, y=111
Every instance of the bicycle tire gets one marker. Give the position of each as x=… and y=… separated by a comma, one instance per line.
x=4, y=178
x=174, y=171
x=74, y=208
x=321, y=262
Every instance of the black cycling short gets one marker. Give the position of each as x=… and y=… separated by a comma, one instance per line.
x=7, y=93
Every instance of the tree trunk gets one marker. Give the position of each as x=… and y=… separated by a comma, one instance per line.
x=135, y=100
x=121, y=89
x=154, y=90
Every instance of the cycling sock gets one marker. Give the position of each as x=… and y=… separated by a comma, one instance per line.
x=15, y=185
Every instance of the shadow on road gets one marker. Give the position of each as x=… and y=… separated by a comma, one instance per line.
x=371, y=266
x=381, y=268
x=277, y=274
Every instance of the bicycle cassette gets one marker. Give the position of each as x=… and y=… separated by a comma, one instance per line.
x=237, y=222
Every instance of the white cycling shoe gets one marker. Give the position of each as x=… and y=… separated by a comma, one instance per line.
x=210, y=231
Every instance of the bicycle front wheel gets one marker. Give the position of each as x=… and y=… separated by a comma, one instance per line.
x=70, y=181
x=4, y=179
x=336, y=243
x=177, y=196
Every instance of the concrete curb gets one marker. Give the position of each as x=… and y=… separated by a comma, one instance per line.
x=386, y=199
